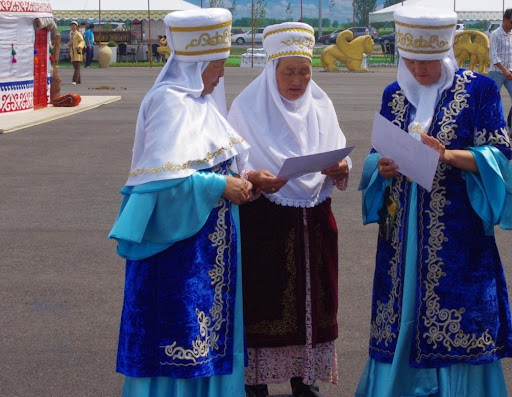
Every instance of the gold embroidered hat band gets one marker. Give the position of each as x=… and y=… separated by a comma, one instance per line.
x=424, y=33
x=199, y=35
x=289, y=39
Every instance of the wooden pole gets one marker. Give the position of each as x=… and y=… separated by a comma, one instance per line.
x=354, y=16
x=99, y=20
x=150, y=48
x=319, y=18
x=56, y=82
x=252, y=32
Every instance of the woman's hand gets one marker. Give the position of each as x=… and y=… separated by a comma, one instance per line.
x=435, y=144
x=387, y=168
x=458, y=158
x=237, y=190
x=338, y=171
x=266, y=181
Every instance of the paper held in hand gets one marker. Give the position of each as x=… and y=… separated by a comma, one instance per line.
x=414, y=159
x=294, y=167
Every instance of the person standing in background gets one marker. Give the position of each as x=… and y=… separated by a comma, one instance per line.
x=76, y=46
x=89, y=45
x=501, y=56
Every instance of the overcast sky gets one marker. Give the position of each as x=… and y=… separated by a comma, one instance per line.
x=342, y=11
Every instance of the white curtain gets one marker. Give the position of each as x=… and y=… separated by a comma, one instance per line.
x=18, y=31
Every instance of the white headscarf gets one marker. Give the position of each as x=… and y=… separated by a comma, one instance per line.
x=277, y=128
x=179, y=131
x=425, y=97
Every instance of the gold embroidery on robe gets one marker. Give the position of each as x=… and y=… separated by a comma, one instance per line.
x=443, y=324
x=209, y=324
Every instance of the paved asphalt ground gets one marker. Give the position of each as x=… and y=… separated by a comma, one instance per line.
x=62, y=284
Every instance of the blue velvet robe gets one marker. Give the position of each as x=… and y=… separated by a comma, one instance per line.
x=180, y=241
x=462, y=312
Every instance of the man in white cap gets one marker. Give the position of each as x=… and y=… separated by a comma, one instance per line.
x=440, y=319
x=76, y=45
x=289, y=235
x=181, y=330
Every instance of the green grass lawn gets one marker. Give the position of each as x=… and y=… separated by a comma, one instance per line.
x=95, y=65
x=236, y=53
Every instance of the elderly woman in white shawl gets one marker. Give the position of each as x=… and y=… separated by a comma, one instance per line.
x=440, y=311
x=289, y=237
x=181, y=330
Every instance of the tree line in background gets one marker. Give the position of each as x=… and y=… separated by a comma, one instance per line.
x=388, y=3
x=361, y=13
x=362, y=9
x=246, y=21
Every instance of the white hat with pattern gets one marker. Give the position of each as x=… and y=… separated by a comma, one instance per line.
x=199, y=35
x=289, y=39
x=424, y=33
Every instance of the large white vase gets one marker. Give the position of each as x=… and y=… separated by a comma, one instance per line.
x=104, y=55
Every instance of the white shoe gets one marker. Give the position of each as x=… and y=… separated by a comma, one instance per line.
x=73, y=83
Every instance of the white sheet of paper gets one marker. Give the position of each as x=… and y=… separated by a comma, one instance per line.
x=296, y=166
x=414, y=159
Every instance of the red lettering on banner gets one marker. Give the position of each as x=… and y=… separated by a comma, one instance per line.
x=24, y=6
x=16, y=101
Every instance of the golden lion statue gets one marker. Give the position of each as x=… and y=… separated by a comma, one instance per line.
x=347, y=50
x=474, y=45
x=164, y=48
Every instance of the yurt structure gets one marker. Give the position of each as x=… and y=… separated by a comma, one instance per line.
x=24, y=54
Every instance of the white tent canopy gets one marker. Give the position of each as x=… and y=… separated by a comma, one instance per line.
x=117, y=9
x=467, y=10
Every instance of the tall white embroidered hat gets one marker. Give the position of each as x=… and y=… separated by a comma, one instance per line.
x=289, y=39
x=424, y=33
x=199, y=35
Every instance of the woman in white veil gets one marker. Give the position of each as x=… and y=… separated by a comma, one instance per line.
x=289, y=242
x=181, y=331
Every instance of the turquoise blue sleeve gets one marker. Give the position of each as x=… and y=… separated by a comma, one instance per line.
x=372, y=186
x=490, y=190
x=155, y=215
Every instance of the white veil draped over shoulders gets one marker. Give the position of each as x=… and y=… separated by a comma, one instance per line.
x=277, y=128
x=425, y=97
x=178, y=131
